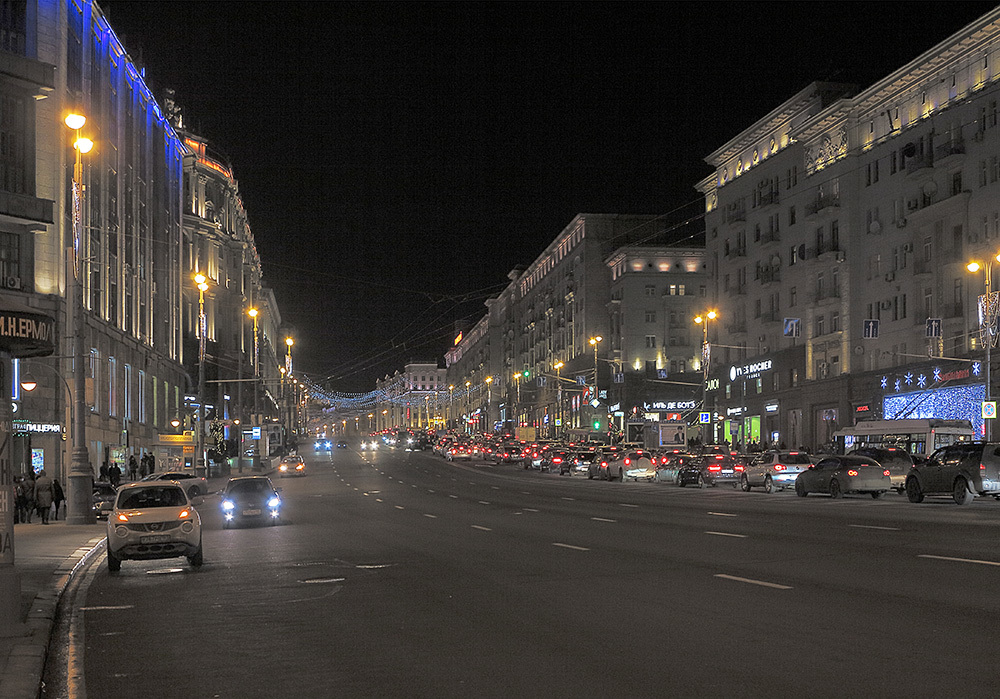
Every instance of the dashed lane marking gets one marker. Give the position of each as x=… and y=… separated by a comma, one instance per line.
x=602, y=519
x=958, y=560
x=751, y=581
x=571, y=499
x=627, y=504
x=399, y=507
x=483, y=502
x=723, y=514
x=484, y=529
x=871, y=526
x=569, y=546
x=529, y=509
x=431, y=516
x=736, y=536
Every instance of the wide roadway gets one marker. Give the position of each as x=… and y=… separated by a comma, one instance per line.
x=398, y=574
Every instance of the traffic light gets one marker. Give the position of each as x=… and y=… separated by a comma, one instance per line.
x=597, y=425
x=525, y=373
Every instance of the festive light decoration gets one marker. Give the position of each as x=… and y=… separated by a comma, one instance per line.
x=949, y=403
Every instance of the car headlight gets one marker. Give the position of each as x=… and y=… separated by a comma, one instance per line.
x=283, y=467
x=274, y=502
x=228, y=505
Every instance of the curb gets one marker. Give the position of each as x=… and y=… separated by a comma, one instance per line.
x=22, y=676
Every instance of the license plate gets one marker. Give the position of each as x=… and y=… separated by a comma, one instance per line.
x=153, y=538
x=727, y=471
x=249, y=513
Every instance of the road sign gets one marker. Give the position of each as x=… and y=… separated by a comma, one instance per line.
x=661, y=373
x=619, y=377
x=871, y=329
x=581, y=380
x=704, y=418
x=989, y=409
x=793, y=327
x=933, y=327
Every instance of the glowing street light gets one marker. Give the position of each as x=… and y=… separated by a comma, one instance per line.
x=706, y=354
x=202, y=282
x=987, y=317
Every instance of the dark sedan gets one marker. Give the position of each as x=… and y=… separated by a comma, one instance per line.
x=711, y=470
x=837, y=475
x=250, y=498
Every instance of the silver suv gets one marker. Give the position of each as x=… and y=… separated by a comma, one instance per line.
x=964, y=469
x=775, y=470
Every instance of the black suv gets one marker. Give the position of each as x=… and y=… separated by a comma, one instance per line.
x=964, y=469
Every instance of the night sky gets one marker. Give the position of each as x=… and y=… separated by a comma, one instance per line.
x=397, y=160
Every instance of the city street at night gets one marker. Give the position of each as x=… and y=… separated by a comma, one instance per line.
x=397, y=573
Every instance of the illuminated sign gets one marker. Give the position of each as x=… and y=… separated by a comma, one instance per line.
x=670, y=405
x=771, y=408
x=37, y=427
x=750, y=371
x=458, y=338
x=862, y=409
x=734, y=411
x=712, y=385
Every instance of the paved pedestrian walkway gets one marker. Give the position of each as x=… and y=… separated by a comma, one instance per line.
x=46, y=557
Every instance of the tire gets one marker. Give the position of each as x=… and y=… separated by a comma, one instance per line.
x=590, y=476
x=876, y=494
x=194, y=492
x=745, y=483
x=800, y=489
x=198, y=558
x=913, y=492
x=769, y=485
x=961, y=492
x=835, y=491
x=114, y=563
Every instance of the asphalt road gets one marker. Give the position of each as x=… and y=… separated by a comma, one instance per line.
x=398, y=574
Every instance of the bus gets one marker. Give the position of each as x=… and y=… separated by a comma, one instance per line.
x=918, y=437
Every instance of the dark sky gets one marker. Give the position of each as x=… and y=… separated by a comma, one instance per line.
x=398, y=159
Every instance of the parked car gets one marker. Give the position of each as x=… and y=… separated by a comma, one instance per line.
x=898, y=461
x=774, y=470
x=250, y=498
x=837, y=475
x=152, y=520
x=292, y=465
x=193, y=485
x=712, y=469
x=964, y=469
x=104, y=499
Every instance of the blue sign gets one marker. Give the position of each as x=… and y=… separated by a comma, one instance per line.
x=582, y=380
x=793, y=327
x=933, y=328
x=705, y=418
x=661, y=373
x=619, y=378
x=871, y=329
x=256, y=432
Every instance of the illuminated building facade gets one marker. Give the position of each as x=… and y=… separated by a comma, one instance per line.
x=838, y=229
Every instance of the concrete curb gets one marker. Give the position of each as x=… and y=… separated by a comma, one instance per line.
x=21, y=678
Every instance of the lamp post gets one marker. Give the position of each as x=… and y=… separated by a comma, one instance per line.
x=79, y=489
x=706, y=355
x=558, y=366
x=595, y=341
x=202, y=281
x=451, y=404
x=489, y=402
x=468, y=397
x=987, y=318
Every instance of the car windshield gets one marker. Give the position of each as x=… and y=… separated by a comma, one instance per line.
x=248, y=488
x=144, y=498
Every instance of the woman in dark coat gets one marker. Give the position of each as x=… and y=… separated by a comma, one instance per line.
x=57, y=496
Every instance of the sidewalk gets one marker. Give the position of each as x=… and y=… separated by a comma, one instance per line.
x=46, y=559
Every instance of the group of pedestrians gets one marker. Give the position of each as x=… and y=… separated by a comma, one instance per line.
x=39, y=495
x=134, y=470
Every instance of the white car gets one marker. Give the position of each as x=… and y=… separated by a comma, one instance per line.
x=193, y=485
x=637, y=464
x=775, y=470
x=153, y=520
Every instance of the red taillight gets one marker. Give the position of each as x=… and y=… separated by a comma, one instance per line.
x=714, y=468
x=720, y=457
x=604, y=464
x=852, y=472
x=738, y=468
x=779, y=467
x=664, y=460
x=982, y=467
x=885, y=472
x=557, y=460
x=627, y=462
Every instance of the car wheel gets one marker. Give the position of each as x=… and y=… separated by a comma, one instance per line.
x=114, y=563
x=590, y=476
x=835, y=491
x=745, y=483
x=197, y=559
x=800, y=489
x=913, y=492
x=194, y=492
x=961, y=492
x=876, y=494
x=769, y=485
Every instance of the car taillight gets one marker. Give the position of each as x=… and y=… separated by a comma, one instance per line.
x=982, y=467
x=604, y=464
x=738, y=468
x=852, y=472
x=779, y=467
x=885, y=472
x=720, y=457
x=557, y=460
x=627, y=462
x=664, y=460
x=714, y=468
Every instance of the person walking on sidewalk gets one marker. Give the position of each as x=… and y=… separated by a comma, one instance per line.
x=29, y=497
x=115, y=475
x=21, y=501
x=57, y=496
x=43, y=495
x=133, y=467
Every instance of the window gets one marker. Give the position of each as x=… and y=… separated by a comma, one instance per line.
x=820, y=286
x=791, y=296
x=112, y=387
x=10, y=261
x=650, y=290
x=650, y=316
x=834, y=235
x=791, y=215
x=956, y=183
x=835, y=322
x=16, y=132
x=820, y=325
x=651, y=341
x=141, y=397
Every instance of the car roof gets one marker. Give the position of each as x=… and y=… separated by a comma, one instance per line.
x=150, y=484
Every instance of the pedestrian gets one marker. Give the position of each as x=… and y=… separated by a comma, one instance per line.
x=133, y=467
x=104, y=472
x=115, y=474
x=43, y=495
x=57, y=496
x=29, y=496
x=20, y=501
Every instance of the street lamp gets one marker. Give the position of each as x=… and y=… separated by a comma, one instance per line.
x=557, y=366
x=451, y=404
x=595, y=341
x=202, y=281
x=468, y=396
x=489, y=401
x=706, y=354
x=79, y=490
x=987, y=317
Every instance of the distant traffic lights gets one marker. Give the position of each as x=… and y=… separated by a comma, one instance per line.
x=597, y=425
x=525, y=373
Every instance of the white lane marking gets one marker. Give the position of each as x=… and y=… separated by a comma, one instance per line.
x=573, y=499
x=762, y=583
x=413, y=486
x=374, y=492
x=601, y=519
x=399, y=507
x=483, y=502
x=570, y=546
x=958, y=560
x=453, y=496
x=737, y=536
x=482, y=529
x=723, y=514
x=495, y=487
x=431, y=516
x=430, y=491
x=528, y=509
x=365, y=494
x=107, y=607
x=525, y=492
x=378, y=499
x=870, y=526
x=627, y=504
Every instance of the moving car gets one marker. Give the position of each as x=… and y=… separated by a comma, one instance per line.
x=458, y=451
x=581, y=461
x=838, y=475
x=104, y=499
x=193, y=485
x=638, y=464
x=711, y=470
x=152, y=520
x=341, y=444
x=369, y=445
x=668, y=466
x=323, y=445
x=964, y=469
x=250, y=498
x=898, y=461
x=292, y=465
x=775, y=470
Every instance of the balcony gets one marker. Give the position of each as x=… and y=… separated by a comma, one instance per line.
x=949, y=153
x=736, y=216
x=919, y=165
x=738, y=251
x=767, y=199
x=769, y=275
x=824, y=205
x=770, y=237
x=771, y=317
x=734, y=328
